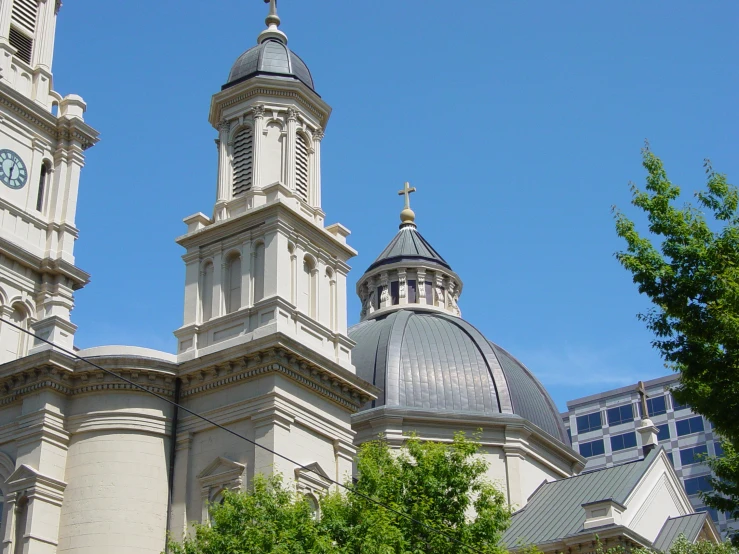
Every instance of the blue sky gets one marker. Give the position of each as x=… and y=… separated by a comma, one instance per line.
x=520, y=124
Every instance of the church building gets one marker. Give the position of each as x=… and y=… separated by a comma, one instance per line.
x=92, y=463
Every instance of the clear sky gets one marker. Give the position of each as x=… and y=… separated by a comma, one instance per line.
x=520, y=124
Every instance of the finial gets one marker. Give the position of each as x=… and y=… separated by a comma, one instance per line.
x=273, y=22
x=407, y=216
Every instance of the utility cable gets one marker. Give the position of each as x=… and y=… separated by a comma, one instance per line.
x=235, y=434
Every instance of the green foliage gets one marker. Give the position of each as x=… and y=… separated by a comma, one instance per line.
x=270, y=518
x=680, y=546
x=437, y=485
x=689, y=268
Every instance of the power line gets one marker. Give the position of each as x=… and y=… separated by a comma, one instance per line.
x=235, y=434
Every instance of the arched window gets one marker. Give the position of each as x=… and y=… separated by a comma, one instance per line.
x=21, y=517
x=233, y=298
x=258, y=272
x=14, y=340
x=309, y=287
x=243, y=161
x=206, y=294
x=301, y=167
x=42, y=185
x=314, y=506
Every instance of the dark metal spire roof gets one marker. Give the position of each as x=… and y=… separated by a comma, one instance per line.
x=408, y=244
x=271, y=57
x=435, y=361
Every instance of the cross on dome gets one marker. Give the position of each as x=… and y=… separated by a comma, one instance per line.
x=407, y=216
x=273, y=22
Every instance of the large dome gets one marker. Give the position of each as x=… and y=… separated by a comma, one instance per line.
x=434, y=361
x=270, y=57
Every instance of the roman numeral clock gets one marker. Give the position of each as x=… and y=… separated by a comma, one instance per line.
x=13, y=171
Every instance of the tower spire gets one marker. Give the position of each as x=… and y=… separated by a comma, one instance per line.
x=273, y=22
x=407, y=216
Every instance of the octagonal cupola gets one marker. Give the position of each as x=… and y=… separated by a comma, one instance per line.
x=409, y=274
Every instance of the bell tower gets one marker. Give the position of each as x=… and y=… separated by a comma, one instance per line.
x=264, y=264
x=43, y=137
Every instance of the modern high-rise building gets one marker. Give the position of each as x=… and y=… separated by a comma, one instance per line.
x=603, y=428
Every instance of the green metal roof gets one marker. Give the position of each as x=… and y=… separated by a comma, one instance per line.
x=689, y=525
x=554, y=511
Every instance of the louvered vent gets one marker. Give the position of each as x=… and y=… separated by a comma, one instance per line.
x=23, y=27
x=22, y=44
x=24, y=14
x=301, y=168
x=243, y=161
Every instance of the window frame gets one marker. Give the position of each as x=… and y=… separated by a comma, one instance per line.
x=590, y=428
x=623, y=445
x=688, y=420
x=590, y=443
x=620, y=409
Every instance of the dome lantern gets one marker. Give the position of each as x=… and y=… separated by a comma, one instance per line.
x=409, y=273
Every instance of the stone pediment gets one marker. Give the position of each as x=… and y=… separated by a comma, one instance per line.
x=27, y=478
x=221, y=471
x=312, y=478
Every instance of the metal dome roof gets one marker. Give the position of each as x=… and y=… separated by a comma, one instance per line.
x=408, y=244
x=270, y=57
x=435, y=361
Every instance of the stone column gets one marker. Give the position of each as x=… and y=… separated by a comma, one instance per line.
x=402, y=288
x=246, y=268
x=421, y=286
x=292, y=125
x=224, y=170
x=316, y=169
x=258, y=114
x=384, y=293
x=218, y=273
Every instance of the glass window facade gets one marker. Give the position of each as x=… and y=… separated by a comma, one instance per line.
x=689, y=426
x=622, y=442
x=593, y=448
x=663, y=432
x=693, y=455
x=657, y=405
x=694, y=485
x=620, y=414
x=589, y=422
x=719, y=449
x=676, y=404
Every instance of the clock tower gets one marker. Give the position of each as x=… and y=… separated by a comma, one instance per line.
x=43, y=137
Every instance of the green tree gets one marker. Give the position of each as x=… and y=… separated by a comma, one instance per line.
x=430, y=486
x=437, y=485
x=269, y=518
x=680, y=546
x=688, y=266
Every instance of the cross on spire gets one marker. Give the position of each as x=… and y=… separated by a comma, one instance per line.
x=643, y=399
x=272, y=6
x=407, y=190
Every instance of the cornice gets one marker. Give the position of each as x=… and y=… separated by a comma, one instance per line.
x=327, y=383
x=58, y=128
x=259, y=86
x=70, y=377
x=292, y=222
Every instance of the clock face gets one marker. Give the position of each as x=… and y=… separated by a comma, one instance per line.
x=13, y=171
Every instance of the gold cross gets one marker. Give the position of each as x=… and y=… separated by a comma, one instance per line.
x=407, y=190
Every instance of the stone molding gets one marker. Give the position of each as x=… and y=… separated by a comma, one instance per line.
x=276, y=360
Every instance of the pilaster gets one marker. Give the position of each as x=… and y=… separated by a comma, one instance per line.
x=224, y=170
x=290, y=152
x=258, y=115
x=316, y=169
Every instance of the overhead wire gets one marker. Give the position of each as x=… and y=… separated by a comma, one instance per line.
x=242, y=437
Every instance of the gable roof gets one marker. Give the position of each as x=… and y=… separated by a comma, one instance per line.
x=555, y=510
x=689, y=525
